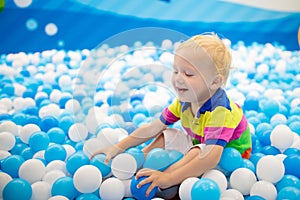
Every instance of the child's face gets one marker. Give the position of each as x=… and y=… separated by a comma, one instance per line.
x=193, y=75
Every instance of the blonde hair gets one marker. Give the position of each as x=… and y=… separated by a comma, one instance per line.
x=216, y=50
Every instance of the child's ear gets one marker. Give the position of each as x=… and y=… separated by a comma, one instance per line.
x=217, y=82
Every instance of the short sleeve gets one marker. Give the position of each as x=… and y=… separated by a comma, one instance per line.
x=171, y=114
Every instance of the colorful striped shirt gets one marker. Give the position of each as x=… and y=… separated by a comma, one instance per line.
x=219, y=121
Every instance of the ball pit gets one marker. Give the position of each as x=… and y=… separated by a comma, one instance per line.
x=57, y=107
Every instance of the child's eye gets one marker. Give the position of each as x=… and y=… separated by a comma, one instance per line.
x=188, y=74
x=175, y=72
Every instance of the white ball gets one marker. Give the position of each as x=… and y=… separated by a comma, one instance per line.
x=87, y=179
x=40, y=191
x=49, y=110
x=7, y=141
x=270, y=168
x=78, y=132
x=4, y=179
x=91, y=146
x=10, y=127
x=69, y=149
x=282, y=137
x=123, y=166
x=232, y=194
x=218, y=177
x=27, y=130
x=264, y=189
x=4, y=154
x=73, y=105
x=32, y=170
x=185, y=188
x=51, y=176
x=39, y=154
x=58, y=197
x=242, y=180
x=127, y=184
x=112, y=188
x=108, y=137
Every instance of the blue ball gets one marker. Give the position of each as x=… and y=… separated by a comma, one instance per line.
x=291, y=164
x=98, y=161
x=57, y=135
x=254, y=197
x=75, y=161
x=269, y=106
x=290, y=151
x=65, y=123
x=38, y=141
x=47, y=123
x=288, y=180
x=157, y=159
x=206, y=189
x=175, y=156
x=138, y=155
x=87, y=197
x=251, y=103
x=140, y=194
x=290, y=193
x=254, y=158
x=18, y=148
x=270, y=150
x=11, y=165
x=295, y=126
x=231, y=159
x=64, y=186
x=248, y=164
x=55, y=152
x=17, y=189
x=27, y=153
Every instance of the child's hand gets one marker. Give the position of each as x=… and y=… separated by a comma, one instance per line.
x=156, y=178
x=110, y=152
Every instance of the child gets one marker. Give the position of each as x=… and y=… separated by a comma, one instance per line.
x=211, y=120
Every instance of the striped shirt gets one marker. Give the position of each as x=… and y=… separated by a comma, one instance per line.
x=219, y=121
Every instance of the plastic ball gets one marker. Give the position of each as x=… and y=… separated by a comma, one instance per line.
x=174, y=156
x=269, y=150
x=232, y=194
x=206, y=189
x=109, y=185
x=17, y=189
x=7, y=141
x=48, y=122
x=248, y=164
x=291, y=193
x=64, y=186
x=56, y=135
x=288, y=180
x=157, y=159
x=185, y=188
x=56, y=165
x=87, y=179
x=87, y=197
x=11, y=165
x=51, y=176
x=291, y=164
x=123, y=166
x=138, y=155
x=230, y=160
x=27, y=130
x=4, y=179
x=9, y=126
x=98, y=161
x=242, y=180
x=264, y=189
x=140, y=193
x=75, y=161
x=78, y=132
x=55, y=152
x=270, y=168
x=91, y=146
x=281, y=137
x=40, y=190
x=32, y=170
x=38, y=141
x=218, y=177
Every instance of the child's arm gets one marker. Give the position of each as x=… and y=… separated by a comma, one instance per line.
x=139, y=136
x=194, y=167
